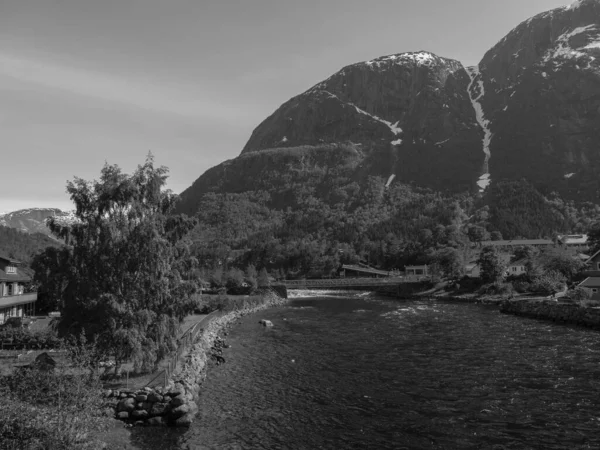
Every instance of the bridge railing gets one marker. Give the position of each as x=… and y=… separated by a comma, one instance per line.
x=350, y=282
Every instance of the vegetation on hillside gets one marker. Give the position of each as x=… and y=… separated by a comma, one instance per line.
x=305, y=211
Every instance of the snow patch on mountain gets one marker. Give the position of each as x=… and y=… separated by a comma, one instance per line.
x=394, y=128
x=476, y=91
x=565, y=50
x=419, y=58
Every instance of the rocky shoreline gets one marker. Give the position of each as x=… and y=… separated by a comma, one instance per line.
x=554, y=311
x=175, y=404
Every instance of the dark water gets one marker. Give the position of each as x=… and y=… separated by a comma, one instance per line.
x=356, y=372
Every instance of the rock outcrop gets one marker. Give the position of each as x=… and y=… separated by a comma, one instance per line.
x=542, y=99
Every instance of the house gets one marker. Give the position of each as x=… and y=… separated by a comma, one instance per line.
x=516, y=268
x=422, y=270
x=14, y=302
x=473, y=270
x=592, y=285
x=575, y=241
x=593, y=262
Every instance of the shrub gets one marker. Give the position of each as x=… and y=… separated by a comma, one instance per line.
x=589, y=303
x=60, y=408
x=521, y=286
x=580, y=293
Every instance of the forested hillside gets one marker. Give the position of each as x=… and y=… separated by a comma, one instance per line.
x=304, y=212
x=23, y=246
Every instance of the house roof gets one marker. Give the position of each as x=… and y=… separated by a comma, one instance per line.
x=593, y=256
x=590, y=282
x=519, y=262
x=517, y=242
x=13, y=277
x=573, y=239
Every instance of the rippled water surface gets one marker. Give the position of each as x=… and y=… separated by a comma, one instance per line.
x=349, y=371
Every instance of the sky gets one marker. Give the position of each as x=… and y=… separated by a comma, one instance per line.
x=89, y=82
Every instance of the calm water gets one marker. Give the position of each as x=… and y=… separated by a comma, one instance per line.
x=350, y=371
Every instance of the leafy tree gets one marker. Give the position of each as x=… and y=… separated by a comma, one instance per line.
x=251, y=276
x=449, y=261
x=51, y=276
x=235, y=278
x=492, y=267
x=128, y=264
x=263, y=278
x=594, y=237
x=563, y=262
x=526, y=252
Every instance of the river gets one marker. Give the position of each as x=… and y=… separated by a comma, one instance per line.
x=353, y=371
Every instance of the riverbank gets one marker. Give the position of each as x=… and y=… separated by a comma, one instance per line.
x=175, y=403
x=554, y=311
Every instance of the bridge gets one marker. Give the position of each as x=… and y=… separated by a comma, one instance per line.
x=351, y=283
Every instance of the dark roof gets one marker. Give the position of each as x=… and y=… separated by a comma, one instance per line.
x=10, y=260
x=593, y=256
x=14, y=276
x=591, y=282
x=520, y=262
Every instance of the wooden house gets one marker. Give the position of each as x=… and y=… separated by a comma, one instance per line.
x=14, y=302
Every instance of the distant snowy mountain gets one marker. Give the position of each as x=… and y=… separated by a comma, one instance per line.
x=32, y=220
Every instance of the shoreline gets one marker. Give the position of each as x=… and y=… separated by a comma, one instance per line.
x=176, y=403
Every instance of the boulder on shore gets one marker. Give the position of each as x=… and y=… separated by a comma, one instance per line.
x=266, y=323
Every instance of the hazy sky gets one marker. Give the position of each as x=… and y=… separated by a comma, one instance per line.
x=88, y=81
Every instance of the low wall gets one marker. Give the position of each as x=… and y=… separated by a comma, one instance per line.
x=175, y=404
x=555, y=311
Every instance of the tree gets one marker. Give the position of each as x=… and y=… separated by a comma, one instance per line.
x=492, y=267
x=449, y=261
x=50, y=277
x=563, y=262
x=263, y=278
x=251, y=276
x=594, y=238
x=128, y=265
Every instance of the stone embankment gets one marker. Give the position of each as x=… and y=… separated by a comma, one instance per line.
x=175, y=404
x=554, y=311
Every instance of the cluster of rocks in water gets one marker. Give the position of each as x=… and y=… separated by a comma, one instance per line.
x=555, y=311
x=216, y=351
x=156, y=407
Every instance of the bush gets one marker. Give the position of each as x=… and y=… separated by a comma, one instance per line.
x=580, y=294
x=498, y=288
x=589, y=303
x=521, y=286
x=60, y=408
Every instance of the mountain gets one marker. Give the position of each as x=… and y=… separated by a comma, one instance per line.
x=541, y=98
x=31, y=220
x=529, y=110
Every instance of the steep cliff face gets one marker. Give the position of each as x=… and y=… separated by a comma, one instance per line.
x=410, y=113
x=542, y=100
x=530, y=109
